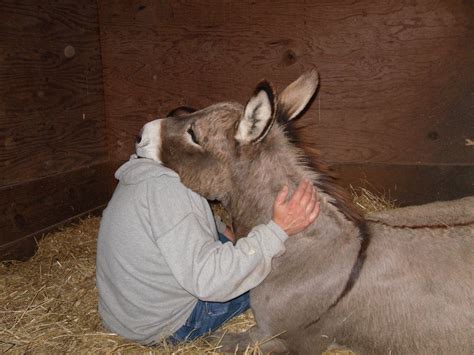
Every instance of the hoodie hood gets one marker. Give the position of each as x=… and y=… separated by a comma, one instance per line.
x=137, y=170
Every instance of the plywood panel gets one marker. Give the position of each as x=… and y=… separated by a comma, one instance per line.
x=396, y=77
x=51, y=93
x=53, y=147
x=29, y=209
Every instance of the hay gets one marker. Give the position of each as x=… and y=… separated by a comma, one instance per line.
x=48, y=304
x=368, y=201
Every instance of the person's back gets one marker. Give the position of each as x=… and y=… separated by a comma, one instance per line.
x=136, y=286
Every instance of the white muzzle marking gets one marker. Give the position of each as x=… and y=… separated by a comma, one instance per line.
x=150, y=143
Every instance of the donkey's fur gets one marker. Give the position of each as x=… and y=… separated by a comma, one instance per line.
x=406, y=290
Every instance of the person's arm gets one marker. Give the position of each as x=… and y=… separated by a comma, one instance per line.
x=286, y=214
x=213, y=271
x=206, y=268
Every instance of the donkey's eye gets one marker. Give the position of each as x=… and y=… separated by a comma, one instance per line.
x=192, y=135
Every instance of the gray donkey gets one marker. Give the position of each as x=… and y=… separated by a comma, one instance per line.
x=397, y=282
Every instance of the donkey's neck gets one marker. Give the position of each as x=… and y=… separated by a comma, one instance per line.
x=269, y=169
x=334, y=231
x=279, y=163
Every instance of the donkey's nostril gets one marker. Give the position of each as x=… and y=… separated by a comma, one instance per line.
x=138, y=139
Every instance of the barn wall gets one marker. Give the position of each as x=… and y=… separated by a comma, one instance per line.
x=395, y=106
x=53, y=150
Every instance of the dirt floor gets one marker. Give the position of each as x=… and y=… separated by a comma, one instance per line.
x=48, y=304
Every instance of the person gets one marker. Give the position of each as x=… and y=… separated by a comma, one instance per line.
x=161, y=270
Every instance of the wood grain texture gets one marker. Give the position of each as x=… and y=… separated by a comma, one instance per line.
x=53, y=146
x=397, y=77
x=25, y=247
x=51, y=93
x=27, y=210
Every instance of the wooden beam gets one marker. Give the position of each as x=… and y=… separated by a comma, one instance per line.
x=29, y=209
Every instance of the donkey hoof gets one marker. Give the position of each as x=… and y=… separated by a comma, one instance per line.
x=234, y=343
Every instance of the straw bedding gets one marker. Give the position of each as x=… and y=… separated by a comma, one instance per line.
x=48, y=304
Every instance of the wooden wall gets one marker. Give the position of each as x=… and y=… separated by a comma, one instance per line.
x=395, y=106
x=79, y=78
x=53, y=150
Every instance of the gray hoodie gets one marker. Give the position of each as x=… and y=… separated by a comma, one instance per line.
x=158, y=253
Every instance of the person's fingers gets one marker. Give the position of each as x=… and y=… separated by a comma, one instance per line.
x=296, y=200
x=299, y=191
x=315, y=213
x=281, y=197
x=229, y=234
x=311, y=203
x=307, y=195
x=314, y=197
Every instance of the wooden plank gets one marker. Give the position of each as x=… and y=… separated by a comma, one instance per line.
x=52, y=116
x=25, y=247
x=30, y=208
x=396, y=77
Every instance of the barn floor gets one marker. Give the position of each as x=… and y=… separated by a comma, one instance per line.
x=48, y=304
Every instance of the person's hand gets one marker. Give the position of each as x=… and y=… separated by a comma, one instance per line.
x=299, y=212
x=229, y=234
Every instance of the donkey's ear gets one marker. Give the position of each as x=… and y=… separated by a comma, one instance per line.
x=297, y=95
x=259, y=115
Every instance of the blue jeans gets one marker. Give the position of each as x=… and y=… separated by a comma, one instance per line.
x=208, y=316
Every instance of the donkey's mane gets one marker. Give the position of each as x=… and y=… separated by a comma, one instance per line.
x=302, y=136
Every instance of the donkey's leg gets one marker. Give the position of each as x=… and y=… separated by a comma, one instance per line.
x=233, y=342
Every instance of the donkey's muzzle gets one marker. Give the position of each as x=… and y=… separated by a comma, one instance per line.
x=138, y=138
x=148, y=141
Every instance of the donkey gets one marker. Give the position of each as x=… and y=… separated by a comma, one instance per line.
x=398, y=282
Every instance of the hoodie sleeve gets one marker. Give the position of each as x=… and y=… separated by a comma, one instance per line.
x=206, y=268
